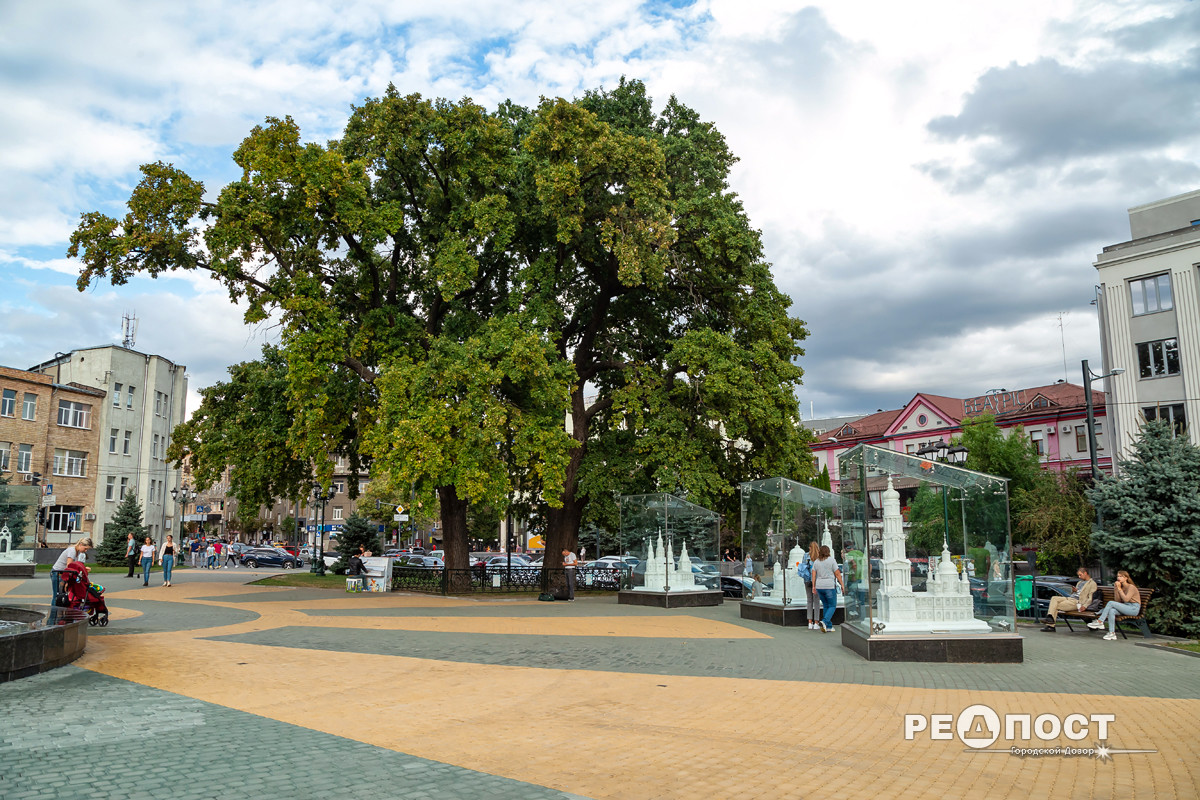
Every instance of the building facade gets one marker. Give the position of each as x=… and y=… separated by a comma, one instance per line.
x=1149, y=303
x=144, y=398
x=51, y=428
x=1054, y=417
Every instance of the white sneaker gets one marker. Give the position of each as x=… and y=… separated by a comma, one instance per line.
x=823, y=628
x=1095, y=624
x=1110, y=637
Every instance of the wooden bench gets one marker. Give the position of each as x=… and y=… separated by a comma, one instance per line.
x=1109, y=594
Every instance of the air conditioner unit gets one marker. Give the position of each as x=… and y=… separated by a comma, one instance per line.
x=1066, y=428
x=28, y=478
x=89, y=517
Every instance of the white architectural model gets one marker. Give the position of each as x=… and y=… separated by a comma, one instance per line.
x=662, y=575
x=944, y=607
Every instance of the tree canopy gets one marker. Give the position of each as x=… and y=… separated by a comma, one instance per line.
x=453, y=285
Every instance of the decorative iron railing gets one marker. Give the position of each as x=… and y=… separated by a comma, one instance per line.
x=501, y=579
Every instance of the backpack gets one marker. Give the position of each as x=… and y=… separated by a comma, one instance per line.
x=1097, y=601
x=805, y=569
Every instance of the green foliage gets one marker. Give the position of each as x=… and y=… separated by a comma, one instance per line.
x=1055, y=517
x=126, y=519
x=14, y=514
x=822, y=481
x=356, y=532
x=451, y=283
x=980, y=556
x=927, y=523
x=1151, y=513
x=1011, y=456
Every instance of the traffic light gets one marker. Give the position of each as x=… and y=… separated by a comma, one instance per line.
x=42, y=516
x=36, y=479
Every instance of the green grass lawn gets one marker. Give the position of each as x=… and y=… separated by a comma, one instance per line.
x=96, y=569
x=1192, y=646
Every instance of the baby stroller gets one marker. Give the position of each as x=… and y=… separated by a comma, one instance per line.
x=75, y=591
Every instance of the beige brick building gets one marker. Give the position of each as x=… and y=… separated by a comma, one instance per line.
x=50, y=428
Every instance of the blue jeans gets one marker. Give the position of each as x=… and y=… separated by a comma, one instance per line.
x=168, y=562
x=1112, y=609
x=54, y=585
x=146, y=562
x=828, y=605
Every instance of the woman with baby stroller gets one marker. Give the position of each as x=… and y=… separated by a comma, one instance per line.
x=76, y=591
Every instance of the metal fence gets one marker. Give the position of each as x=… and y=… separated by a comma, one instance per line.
x=479, y=580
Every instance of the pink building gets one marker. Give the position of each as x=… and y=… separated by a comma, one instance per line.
x=1054, y=418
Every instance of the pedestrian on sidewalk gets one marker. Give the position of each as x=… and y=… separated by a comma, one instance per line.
x=166, y=557
x=147, y=553
x=194, y=548
x=810, y=592
x=131, y=554
x=1127, y=604
x=76, y=552
x=230, y=557
x=219, y=547
x=826, y=578
x=210, y=556
x=569, y=562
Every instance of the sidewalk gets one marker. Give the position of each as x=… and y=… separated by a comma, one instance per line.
x=320, y=694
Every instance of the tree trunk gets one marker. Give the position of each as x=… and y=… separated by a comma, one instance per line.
x=454, y=528
x=562, y=524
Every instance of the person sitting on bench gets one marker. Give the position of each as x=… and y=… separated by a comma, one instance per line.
x=1127, y=604
x=1078, y=601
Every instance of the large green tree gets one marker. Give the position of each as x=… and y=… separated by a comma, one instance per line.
x=1151, y=513
x=126, y=519
x=1055, y=517
x=453, y=284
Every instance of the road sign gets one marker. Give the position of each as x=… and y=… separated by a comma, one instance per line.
x=400, y=517
x=49, y=500
x=48, y=489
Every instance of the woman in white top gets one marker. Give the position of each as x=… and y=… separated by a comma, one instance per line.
x=166, y=557
x=76, y=552
x=826, y=577
x=147, y=560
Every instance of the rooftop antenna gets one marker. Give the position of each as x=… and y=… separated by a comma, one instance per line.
x=129, y=323
x=1063, y=336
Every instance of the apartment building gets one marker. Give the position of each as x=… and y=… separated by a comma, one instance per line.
x=50, y=428
x=1149, y=303
x=143, y=401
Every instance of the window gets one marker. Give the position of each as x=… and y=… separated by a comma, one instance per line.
x=73, y=415
x=113, y=435
x=1156, y=359
x=1039, y=441
x=8, y=403
x=337, y=512
x=1150, y=295
x=150, y=493
x=116, y=395
x=129, y=398
x=5, y=450
x=63, y=518
x=1171, y=413
x=1081, y=442
x=25, y=458
x=29, y=406
x=154, y=446
x=158, y=404
x=128, y=442
x=339, y=487
x=72, y=463
x=110, y=489
x=124, y=488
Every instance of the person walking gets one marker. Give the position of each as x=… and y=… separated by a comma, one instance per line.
x=166, y=557
x=230, y=557
x=131, y=554
x=210, y=556
x=194, y=549
x=76, y=552
x=147, y=554
x=826, y=578
x=810, y=592
x=748, y=567
x=1127, y=604
x=569, y=562
x=218, y=547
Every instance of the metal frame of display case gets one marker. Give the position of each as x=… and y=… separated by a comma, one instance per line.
x=648, y=518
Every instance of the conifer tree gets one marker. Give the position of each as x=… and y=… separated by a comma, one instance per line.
x=1151, y=514
x=128, y=518
x=13, y=513
x=357, y=531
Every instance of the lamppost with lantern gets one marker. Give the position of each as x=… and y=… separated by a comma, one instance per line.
x=182, y=495
x=321, y=496
x=955, y=455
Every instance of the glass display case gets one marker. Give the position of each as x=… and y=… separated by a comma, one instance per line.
x=18, y=523
x=926, y=558
x=781, y=518
x=673, y=545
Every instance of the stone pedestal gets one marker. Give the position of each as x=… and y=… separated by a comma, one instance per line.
x=16, y=570
x=791, y=616
x=629, y=597
x=996, y=648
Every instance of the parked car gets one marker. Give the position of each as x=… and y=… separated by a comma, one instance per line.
x=269, y=557
x=412, y=561
x=497, y=564
x=736, y=586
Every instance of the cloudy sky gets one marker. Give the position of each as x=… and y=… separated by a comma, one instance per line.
x=933, y=179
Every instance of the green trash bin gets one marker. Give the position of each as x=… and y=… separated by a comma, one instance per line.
x=1024, y=592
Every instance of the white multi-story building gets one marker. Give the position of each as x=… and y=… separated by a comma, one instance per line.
x=145, y=401
x=1149, y=301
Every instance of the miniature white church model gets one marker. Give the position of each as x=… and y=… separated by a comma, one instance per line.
x=662, y=575
x=944, y=607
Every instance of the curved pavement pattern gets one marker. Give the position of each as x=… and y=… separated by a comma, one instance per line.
x=223, y=690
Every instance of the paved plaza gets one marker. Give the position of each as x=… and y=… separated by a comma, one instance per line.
x=214, y=688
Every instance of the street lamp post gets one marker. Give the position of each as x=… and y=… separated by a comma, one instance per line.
x=183, y=495
x=955, y=455
x=321, y=496
x=1088, y=377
